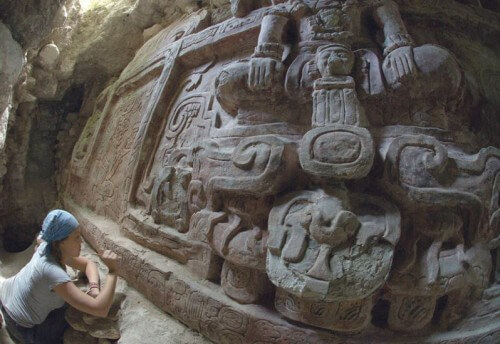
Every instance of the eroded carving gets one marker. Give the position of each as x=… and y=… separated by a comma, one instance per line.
x=310, y=165
x=321, y=250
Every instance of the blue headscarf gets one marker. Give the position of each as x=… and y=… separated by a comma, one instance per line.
x=58, y=225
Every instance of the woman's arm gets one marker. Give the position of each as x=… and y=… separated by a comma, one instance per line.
x=100, y=305
x=90, y=270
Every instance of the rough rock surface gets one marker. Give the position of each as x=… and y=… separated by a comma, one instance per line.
x=74, y=49
x=11, y=60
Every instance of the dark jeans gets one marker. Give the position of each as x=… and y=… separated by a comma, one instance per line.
x=50, y=331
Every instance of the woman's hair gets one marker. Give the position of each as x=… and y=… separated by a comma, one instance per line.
x=55, y=251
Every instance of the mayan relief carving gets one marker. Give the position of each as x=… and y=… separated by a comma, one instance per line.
x=313, y=169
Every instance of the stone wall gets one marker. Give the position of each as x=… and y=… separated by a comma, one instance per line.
x=295, y=171
x=69, y=51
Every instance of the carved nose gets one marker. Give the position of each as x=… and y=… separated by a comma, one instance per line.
x=332, y=59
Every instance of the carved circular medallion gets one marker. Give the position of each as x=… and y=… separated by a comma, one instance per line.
x=337, y=151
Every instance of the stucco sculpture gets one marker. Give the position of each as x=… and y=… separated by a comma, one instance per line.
x=293, y=161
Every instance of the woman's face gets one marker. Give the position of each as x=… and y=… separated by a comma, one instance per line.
x=70, y=247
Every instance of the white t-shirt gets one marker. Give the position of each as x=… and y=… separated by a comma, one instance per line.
x=28, y=296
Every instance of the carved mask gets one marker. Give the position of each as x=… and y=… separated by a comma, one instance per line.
x=334, y=60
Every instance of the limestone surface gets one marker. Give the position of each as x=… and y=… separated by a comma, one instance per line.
x=309, y=155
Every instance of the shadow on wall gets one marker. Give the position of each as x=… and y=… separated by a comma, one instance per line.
x=29, y=196
x=18, y=239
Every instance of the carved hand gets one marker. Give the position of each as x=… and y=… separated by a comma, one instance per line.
x=265, y=73
x=399, y=66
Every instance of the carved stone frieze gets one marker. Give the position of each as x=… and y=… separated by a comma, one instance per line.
x=290, y=162
x=322, y=250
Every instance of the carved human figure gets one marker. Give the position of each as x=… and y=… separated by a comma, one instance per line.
x=327, y=21
x=337, y=146
x=334, y=98
x=406, y=68
x=334, y=60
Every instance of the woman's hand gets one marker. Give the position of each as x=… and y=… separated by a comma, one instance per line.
x=93, y=292
x=110, y=259
x=94, y=289
x=90, y=268
x=99, y=305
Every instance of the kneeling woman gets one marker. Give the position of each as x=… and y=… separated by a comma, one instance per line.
x=33, y=301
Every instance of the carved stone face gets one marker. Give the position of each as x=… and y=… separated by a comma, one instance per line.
x=334, y=60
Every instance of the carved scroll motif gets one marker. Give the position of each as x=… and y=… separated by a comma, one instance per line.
x=187, y=119
x=190, y=119
x=411, y=312
x=141, y=146
x=449, y=222
x=243, y=284
x=414, y=170
x=229, y=27
x=267, y=164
